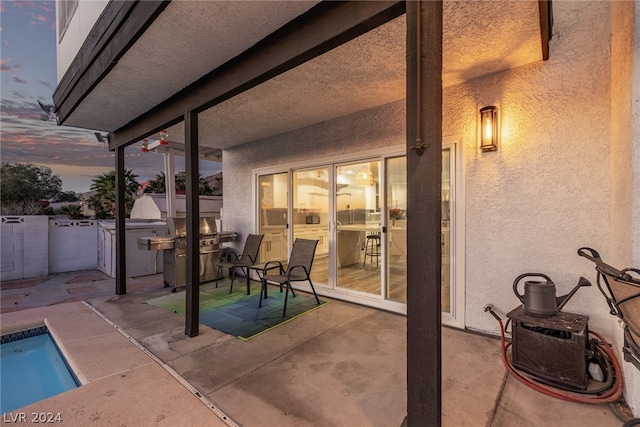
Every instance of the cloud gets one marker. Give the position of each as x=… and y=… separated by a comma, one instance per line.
x=17, y=79
x=44, y=82
x=9, y=67
x=38, y=12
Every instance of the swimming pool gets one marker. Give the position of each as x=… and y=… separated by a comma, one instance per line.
x=33, y=369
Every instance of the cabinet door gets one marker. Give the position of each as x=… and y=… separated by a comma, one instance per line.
x=319, y=234
x=278, y=247
x=273, y=247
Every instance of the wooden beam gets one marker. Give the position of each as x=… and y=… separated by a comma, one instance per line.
x=324, y=27
x=192, y=175
x=121, y=252
x=116, y=30
x=424, y=182
x=546, y=26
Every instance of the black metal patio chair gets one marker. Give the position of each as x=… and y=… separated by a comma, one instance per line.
x=247, y=258
x=298, y=270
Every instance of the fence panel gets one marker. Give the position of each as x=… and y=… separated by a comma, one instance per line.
x=73, y=245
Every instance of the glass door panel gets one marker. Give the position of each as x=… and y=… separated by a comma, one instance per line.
x=358, y=238
x=310, y=216
x=446, y=232
x=396, y=211
x=273, y=195
x=396, y=187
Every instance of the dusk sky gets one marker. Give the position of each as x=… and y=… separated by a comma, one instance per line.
x=28, y=64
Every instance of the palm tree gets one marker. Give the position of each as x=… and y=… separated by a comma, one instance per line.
x=158, y=184
x=104, y=201
x=71, y=211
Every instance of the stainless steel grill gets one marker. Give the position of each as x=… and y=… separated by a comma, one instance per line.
x=175, y=250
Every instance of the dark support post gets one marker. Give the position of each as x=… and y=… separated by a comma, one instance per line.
x=192, y=316
x=424, y=176
x=121, y=255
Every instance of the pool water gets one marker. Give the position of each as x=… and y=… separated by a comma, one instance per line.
x=32, y=369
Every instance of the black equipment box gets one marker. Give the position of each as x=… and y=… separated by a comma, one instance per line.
x=551, y=348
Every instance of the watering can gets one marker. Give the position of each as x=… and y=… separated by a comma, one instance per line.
x=539, y=297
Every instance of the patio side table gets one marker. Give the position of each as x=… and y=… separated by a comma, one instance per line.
x=259, y=268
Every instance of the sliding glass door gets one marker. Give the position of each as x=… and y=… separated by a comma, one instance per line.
x=273, y=193
x=358, y=213
x=358, y=237
x=396, y=212
x=310, y=215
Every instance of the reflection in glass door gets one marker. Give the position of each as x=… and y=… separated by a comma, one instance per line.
x=396, y=196
x=446, y=231
x=358, y=238
x=310, y=216
x=396, y=183
x=272, y=194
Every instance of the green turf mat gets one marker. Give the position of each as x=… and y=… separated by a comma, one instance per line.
x=237, y=313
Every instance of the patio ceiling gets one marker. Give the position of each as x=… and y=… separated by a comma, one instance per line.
x=189, y=39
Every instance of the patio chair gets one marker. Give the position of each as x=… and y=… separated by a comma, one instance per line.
x=247, y=258
x=298, y=270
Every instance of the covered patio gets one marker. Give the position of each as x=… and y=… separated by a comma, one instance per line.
x=273, y=83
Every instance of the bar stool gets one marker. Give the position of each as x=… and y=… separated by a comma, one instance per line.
x=372, y=248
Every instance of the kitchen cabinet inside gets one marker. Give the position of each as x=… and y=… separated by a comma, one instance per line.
x=274, y=245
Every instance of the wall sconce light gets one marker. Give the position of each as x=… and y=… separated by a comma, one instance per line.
x=164, y=137
x=489, y=128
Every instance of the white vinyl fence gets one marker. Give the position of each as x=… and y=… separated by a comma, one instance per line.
x=73, y=245
x=36, y=245
x=25, y=247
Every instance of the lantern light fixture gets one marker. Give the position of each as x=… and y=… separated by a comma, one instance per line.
x=145, y=146
x=489, y=128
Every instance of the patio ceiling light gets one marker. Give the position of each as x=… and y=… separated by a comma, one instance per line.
x=489, y=128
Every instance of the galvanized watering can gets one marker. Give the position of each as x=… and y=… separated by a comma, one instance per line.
x=539, y=297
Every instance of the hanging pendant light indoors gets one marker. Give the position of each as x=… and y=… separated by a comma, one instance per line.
x=365, y=177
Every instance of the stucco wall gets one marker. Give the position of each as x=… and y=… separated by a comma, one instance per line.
x=546, y=191
x=625, y=167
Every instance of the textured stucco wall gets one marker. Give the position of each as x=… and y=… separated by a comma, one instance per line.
x=625, y=165
x=546, y=191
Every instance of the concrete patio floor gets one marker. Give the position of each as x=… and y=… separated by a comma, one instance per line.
x=340, y=365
